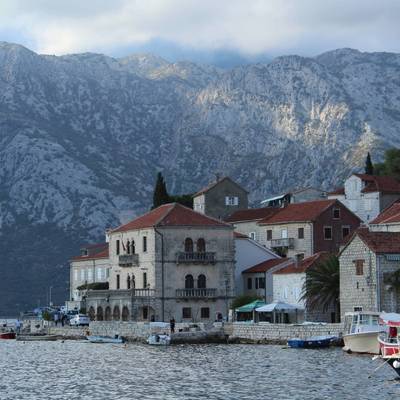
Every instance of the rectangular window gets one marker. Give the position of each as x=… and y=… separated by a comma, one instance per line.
x=144, y=244
x=261, y=283
x=90, y=274
x=145, y=312
x=252, y=235
x=186, y=312
x=75, y=275
x=345, y=231
x=336, y=213
x=231, y=200
x=145, y=280
x=368, y=205
x=327, y=232
x=269, y=234
x=82, y=274
x=117, y=247
x=359, y=264
x=118, y=281
x=99, y=274
x=107, y=272
x=205, y=313
x=249, y=283
x=300, y=232
x=284, y=233
x=357, y=309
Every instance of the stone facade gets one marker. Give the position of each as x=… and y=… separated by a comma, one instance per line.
x=250, y=229
x=220, y=199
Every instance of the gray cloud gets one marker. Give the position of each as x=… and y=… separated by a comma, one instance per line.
x=249, y=27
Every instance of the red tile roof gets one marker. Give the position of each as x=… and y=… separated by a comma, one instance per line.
x=303, y=265
x=379, y=242
x=172, y=214
x=215, y=183
x=389, y=215
x=239, y=235
x=383, y=184
x=300, y=212
x=94, y=255
x=265, y=265
x=252, y=214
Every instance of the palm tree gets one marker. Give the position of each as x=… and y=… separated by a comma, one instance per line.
x=321, y=286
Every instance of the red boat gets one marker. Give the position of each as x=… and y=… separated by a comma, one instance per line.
x=7, y=335
x=389, y=341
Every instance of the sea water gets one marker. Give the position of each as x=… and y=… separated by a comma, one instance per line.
x=82, y=370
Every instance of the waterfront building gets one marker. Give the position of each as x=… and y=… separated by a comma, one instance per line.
x=172, y=262
x=294, y=196
x=220, y=198
x=91, y=267
x=367, y=195
x=246, y=221
x=369, y=265
x=302, y=229
x=247, y=254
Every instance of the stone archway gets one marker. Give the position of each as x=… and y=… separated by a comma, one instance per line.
x=92, y=313
x=99, y=315
x=125, y=313
x=116, y=314
x=107, y=314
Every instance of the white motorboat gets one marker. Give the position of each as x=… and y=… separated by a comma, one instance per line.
x=157, y=339
x=105, y=339
x=361, y=330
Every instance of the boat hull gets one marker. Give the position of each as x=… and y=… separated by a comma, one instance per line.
x=365, y=342
x=37, y=338
x=7, y=335
x=311, y=343
x=104, y=339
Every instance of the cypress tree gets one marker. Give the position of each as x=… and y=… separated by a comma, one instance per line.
x=369, y=168
x=160, y=195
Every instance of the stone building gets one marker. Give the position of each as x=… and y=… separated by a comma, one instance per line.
x=246, y=221
x=172, y=262
x=303, y=229
x=220, y=199
x=92, y=266
x=369, y=264
x=367, y=195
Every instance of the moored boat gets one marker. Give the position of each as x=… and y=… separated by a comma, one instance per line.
x=7, y=335
x=159, y=340
x=361, y=330
x=104, y=339
x=36, y=338
x=389, y=341
x=314, y=342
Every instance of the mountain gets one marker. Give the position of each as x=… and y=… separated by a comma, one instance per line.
x=82, y=137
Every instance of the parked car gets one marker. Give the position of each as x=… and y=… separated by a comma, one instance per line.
x=79, y=320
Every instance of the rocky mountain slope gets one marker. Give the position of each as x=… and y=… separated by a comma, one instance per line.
x=82, y=137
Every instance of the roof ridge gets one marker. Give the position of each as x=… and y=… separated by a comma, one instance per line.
x=170, y=208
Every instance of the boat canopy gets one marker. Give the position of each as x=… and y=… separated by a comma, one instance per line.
x=278, y=306
x=391, y=319
x=250, y=307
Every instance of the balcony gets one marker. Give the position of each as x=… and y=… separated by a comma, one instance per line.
x=195, y=257
x=286, y=242
x=128, y=260
x=196, y=293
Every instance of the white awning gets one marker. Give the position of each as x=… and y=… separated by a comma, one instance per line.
x=281, y=196
x=278, y=306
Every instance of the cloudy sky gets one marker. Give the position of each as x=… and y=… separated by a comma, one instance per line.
x=179, y=28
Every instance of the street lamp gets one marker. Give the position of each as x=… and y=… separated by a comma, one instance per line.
x=50, y=302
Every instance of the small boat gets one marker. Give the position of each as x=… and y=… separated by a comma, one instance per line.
x=156, y=339
x=7, y=335
x=361, y=330
x=105, y=339
x=389, y=341
x=315, y=342
x=36, y=338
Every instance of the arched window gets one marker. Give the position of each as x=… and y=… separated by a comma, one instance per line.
x=128, y=247
x=188, y=245
x=189, y=283
x=201, y=281
x=107, y=314
x=128, y=282
x=116, y=314
x=133, y=246
x=201, y=245
x=125, y=313
x=133, y=283
x=99, y=315
x=92, y=314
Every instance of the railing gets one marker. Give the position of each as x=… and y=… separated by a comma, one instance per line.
x=286, y=242
x=126, y=293
x=196, y=293
x=195, y=257
x=128, y=260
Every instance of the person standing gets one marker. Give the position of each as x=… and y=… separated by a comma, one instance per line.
x=172, y=325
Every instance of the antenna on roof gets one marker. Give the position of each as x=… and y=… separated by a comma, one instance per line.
x=217, y=176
